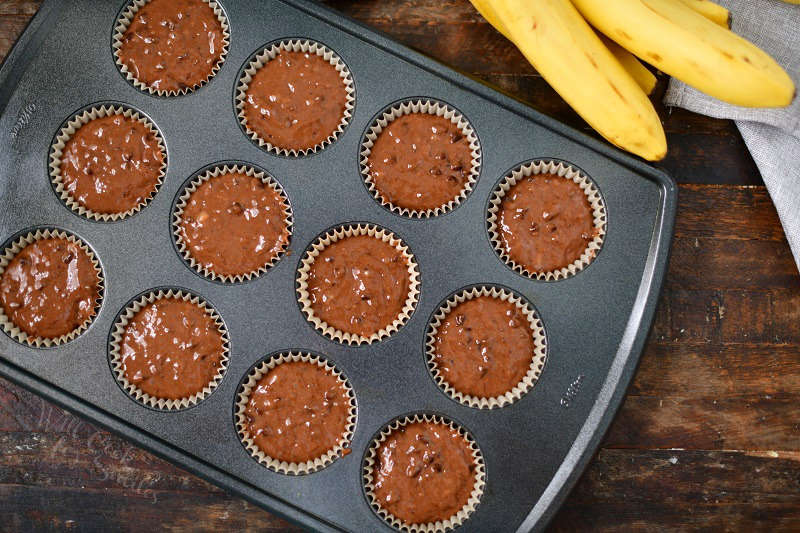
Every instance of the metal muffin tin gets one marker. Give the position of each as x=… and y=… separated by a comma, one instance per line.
x=596, y=321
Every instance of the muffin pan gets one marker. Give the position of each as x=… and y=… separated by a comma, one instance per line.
x=596, y=321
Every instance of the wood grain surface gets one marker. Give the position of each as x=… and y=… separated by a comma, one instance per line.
x=708, y=437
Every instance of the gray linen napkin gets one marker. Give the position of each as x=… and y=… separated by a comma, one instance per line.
x=771, y=135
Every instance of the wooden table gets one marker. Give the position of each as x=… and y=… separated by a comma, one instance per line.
x=709, y=434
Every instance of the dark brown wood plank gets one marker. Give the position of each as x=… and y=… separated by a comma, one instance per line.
x=34, y=508
x=751, y=423
x=704, y=370
x=88, y=457
x=725, y=212
x=19, y=7
x=700, y=263
x=690, y=476
x=11, y=27
x=676, y=516
x=680, y=490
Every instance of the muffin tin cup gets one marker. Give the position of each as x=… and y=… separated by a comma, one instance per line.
x=118, y=333
x=431, y=107
x=243, y=396
x=370, y=463
x=270, y=52
x=66, y=133
x=16, y=246
x=537, y=361
x=183, y=200
x=125, y=19
x=566, y=171
x=351, y=230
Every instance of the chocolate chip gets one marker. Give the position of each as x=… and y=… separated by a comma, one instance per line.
x=456, y=168
x=435, y=171
x=460, y=320
x=534, y=227
x=236, y=209
x=365, y=297
x=68, y=258
x=455, y=137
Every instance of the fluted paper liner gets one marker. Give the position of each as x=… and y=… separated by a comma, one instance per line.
x=66, y=133
x=453, y=522
x=269, y=53
x=243, y=397
x=8, y=255
x=183, y=200
x=538, y=358
x=332, y=236
x=565, y=171
x=431, y=107
x=125, y=20
x=118, y=333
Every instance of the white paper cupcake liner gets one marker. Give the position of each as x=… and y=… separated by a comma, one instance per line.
x=565, y=171
x=431, y=107
x=537, y=361
x=243, y=397
x=125, y=19
x=66, y=133
x=332, y=236
x=12, y=250
x=295, y=45
x=118, y=333
x=177, y=217
x=370, y=462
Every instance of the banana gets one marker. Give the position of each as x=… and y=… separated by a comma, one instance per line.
x=640, y=73
x=688, y=46
x=571, y=57
x=713, y=12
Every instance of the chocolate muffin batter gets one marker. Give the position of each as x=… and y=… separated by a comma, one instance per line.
x=424, y=472
x=234, y=224
x=295, y=101
x=50, y=288
x=545, y=222
x=420, y=162
x=171, y=349
x=171, y=45
x=484, y=347
x=359, y=284
x=297, y=412
x=111, y=164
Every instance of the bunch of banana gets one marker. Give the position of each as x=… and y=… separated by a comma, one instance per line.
x=601, y=77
